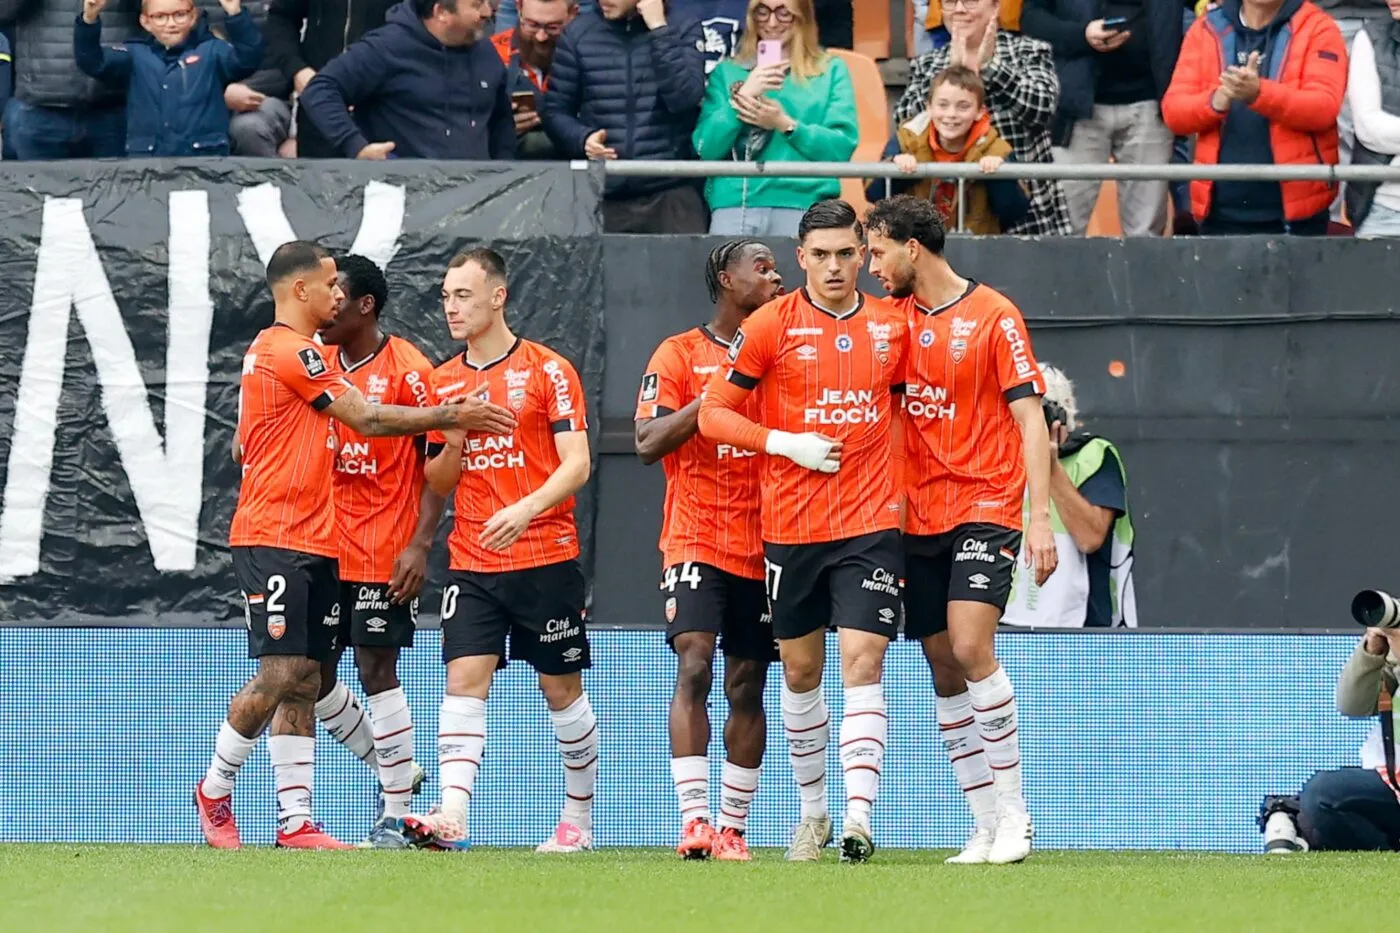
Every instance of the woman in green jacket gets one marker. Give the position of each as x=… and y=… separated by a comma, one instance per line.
x=798, y=106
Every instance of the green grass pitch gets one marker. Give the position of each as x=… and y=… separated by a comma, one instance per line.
x=155, y=888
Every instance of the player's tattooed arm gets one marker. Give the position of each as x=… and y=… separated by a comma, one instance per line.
x=575, y=462
x=373, y=420
x=654, y=438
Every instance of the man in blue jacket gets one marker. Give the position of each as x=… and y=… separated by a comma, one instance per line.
x=627, y=84
x=424, y=86
x=175, y=75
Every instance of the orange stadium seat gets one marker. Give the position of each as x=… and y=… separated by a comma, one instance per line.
x=871, y=28
x=874, y=118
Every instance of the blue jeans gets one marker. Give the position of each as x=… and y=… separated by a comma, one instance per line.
x=1350, y=809
x=47, y=133
x=1380, y=222
x=755, y=221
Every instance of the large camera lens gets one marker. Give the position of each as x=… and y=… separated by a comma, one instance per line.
x=1376, y=609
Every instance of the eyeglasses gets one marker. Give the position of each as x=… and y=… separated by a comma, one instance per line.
x=763, y=12
x=179, y=16
x=531, y=27
x=965, y=4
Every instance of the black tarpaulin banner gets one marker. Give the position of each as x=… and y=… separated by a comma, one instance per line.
x=130, y=292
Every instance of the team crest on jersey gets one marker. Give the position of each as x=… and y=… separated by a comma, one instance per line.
x=926, y=338
x=311, y=361
x=276, y=627
x=651, y=387
x=844, y=343
x=735, y=345
x=958, y=349
x=882, y=351
x=516, y=398
x=671, y=610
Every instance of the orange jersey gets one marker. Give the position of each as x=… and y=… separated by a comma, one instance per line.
x=829, y=374
x=964, y=460
x=288, y=445
x=378, y=481
x=711, y=513
x=544, y=391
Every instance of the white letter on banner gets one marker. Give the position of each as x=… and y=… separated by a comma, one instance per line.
x=167, y=477
x=381, y=222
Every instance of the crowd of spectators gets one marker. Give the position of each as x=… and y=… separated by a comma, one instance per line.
x=1290, y=82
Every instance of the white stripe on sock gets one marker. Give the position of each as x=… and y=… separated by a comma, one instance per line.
x=808, y=730
x=736, y=795
x=340, y=712
x=691, y=777
x=963, y=744
x=864, y=727
x=461, y=741
x=576, y=730
x=393, y=749
x=293, y=772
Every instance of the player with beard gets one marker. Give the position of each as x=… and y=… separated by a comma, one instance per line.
x=712, y=557
x=283, y=537
x=514, y=574
x=976, y=440
x=528, y=52
x=827, y=359
x=385, y=520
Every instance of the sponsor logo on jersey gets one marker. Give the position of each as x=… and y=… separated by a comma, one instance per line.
x=559, y=630
x=651, y=387
x=563, y=398
x=926, y=338
x=978, y=581
x=807, y=352
x=805, y=332
x=962, y=327
x=886, y=615
x=1020, y=353
x=376, y=625
x=517, y=378
x=882, y=581
x=835, y=406
x=974, y=550
x=844, y=342
x=491, y=452
x=334, y=618
x=879, y=331
x=926, y=401
x=354, y=458
x=376, y=387
x=250, y=364
x=958, y=349
x=371, y=599
x=311, y=361
x=670, y=609
x=704, y=370
x=572, y=654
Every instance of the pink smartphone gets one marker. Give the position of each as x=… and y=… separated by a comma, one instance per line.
x=770, y=52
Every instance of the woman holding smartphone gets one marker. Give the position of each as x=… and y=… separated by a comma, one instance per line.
x=781, y=98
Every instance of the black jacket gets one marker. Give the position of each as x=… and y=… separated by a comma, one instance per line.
x=45, y=73
x=430, y=101
x=643, y=86
x=1061, y=23
x=331, y=27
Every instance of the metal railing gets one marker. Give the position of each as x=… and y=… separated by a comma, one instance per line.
x=962, y=172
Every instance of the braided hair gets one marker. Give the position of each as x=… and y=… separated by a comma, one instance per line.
x=720, y=259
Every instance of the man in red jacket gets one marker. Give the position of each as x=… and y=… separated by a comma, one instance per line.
x=1260, y=82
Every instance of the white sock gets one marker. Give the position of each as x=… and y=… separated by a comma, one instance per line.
x=293, y=769
x=461, y=740
x=808, y=729
x=863, y=729
x=230, y=751
x=393, y=749
x=736, y=794
x=577, y=732
x=691, y=775
x=994, y=706
x=345, y=720
x=963, y=743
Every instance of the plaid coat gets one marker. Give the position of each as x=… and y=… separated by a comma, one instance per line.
x=1022, y=93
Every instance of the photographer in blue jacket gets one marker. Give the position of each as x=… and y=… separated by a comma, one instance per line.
x=425, y=85
x=175, y=76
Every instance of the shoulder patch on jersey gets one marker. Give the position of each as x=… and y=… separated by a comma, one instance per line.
x=736, y=345
x=651, y=387
x=312, y=361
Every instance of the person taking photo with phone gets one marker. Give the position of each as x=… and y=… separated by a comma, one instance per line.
x=527, y=51
x=781, y=98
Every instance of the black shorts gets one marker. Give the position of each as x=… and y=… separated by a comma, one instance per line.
x=852, y=583
x=704, y=598
x=291, y=602
x=972, y=563
x=540, y=611
x=369, y=620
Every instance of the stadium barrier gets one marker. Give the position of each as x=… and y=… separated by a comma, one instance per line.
x=1130, y=740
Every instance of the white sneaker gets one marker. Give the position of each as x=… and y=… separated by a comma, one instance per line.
x=1013, y=837
x=566, y=840
x=809, y=837
x=977, y=848
x=1281, y=836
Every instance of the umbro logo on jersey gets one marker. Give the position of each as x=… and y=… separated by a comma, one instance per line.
x=978, y=581
x=311, y=361
x=572, y=654
x=376, y=625
x=807, y=352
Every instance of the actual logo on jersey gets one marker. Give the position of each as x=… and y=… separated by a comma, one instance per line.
x=926, y=338
x=311, y=361
x=516, y=398
x=958, y=349
x=671, y=610
x=736, y=345
x=651, y=387
x=563, y=399
x=276, y=627
x=962, y=327
x=844, y=343
x=807, y=352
